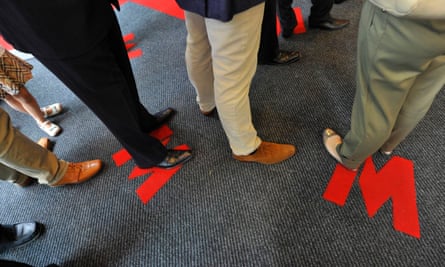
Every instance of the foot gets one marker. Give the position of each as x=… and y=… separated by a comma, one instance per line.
x=174, y=158
x=80, y=172
x=269, y=153
x=19, y=234
x=386, y=153
x=207, y=113
x=284, y=58
x=164, y=116
x=330, y=24
x=51, y=110
x=50, y=128
x=331, y=140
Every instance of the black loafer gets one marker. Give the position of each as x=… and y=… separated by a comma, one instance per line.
x=339, y=1
x=164, y=116
x=19, y=234
x=174, y=158
x=331, y=24
x=285, y=57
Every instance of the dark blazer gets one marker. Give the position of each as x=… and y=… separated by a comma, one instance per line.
x=223, y=10
x=66, y=28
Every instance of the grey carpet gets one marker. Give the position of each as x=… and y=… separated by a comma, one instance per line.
x=216, y=211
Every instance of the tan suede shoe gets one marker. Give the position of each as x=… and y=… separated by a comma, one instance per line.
x=80, y=172
x=269, y=153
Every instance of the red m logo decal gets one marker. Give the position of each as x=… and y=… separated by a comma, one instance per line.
x=394, y=181
x=158, y=176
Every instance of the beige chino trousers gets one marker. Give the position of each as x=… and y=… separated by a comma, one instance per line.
x=221, y=60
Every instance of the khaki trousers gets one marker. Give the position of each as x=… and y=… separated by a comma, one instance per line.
x=400, y=70
x=21, y=157
x=221, y=60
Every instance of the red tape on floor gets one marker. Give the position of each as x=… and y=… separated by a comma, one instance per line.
x=395, y=181
x=157, y=176
x=300, y=28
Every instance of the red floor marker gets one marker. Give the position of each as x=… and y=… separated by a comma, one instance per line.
x=129, y=46
x=157, y=177
x=5, y=44
x=135, y=53
x=339, y=186
x=395, y=181
x=128, y=37
x=300, y=28
x=162, y=132
x=168, y=7
x=121, y=157
x=156, y=181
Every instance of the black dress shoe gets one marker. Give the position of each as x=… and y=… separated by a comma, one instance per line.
x=284, y=58
x=175, y=157
x=330, y=24
x=162, y=117
x=339, y=1
x=19, y=234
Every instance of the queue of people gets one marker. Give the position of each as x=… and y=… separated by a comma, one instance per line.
x=398, y=76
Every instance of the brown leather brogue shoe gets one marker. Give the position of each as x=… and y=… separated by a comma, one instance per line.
x=80, y=172
x=269, y=153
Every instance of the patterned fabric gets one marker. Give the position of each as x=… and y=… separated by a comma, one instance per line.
x=14, y=73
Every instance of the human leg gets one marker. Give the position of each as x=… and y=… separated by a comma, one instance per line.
x=269, y=46
x=269, y=52
x=387, y=72
x=25, y=102
x=287, y=17
x=320, y=10
x=234, y=48
x=98, y=79
x=199, y=61
x=21, y=157
x=420, y=98
x=320, y=16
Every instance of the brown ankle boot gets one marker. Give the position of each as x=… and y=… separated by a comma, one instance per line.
x=80, y=172
x=269, y=153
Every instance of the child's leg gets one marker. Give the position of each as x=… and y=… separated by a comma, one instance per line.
x=15, y=104
x=25, y=102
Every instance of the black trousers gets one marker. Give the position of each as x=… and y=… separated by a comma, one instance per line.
x=320, y=12
x=269, y=46
x=103, y=79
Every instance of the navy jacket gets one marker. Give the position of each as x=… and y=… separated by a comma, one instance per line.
x=223, y=10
